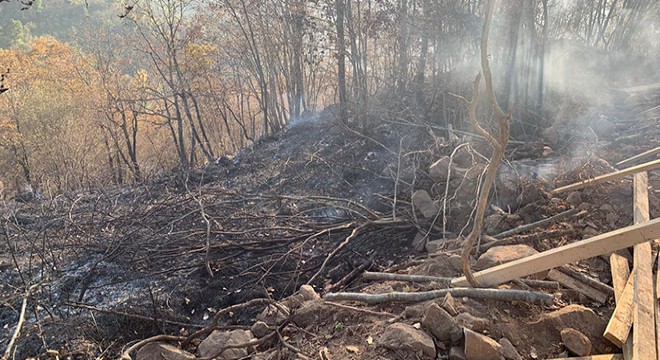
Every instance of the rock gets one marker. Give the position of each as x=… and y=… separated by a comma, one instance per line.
x=274, y=315
x=612, y=218
x=502, y=254
x=220, y=339
x=434, y=245
x=439, y=323
x=308, y=293
x=449, y=304
x=456, y=262
x=420, y=241
x=492, y=222
x=438, y=170
x=400, y=336
x=574, y=198
x=422, y=201
x=456, y=353
x=294, y=301
x=585, y=206
x=603, y=127
x=271, y=354
x=162, y=351
x=472, y=322
x=576, y=342
x=508, y=350
x=463, y=158
x=529, y=194
x=576, y=317
x=260, y=329
x=607, y=208
x=311, y=313
x=480, y=347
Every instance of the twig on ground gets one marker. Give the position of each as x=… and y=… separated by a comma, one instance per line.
x=539, y=223
x=126, y=355
x=403, y=277
x=366, y=311
x=352, y=236
x=21, y=321
x=477, y=293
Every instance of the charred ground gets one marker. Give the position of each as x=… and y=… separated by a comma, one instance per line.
x=125, y=263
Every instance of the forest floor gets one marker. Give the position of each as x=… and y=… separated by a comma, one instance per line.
x=319, y=203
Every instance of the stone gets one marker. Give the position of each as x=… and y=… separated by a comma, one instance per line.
x=422, y=201
x=576, y=317
x=606, y=208
x=261, y=329
x=508, y=350
x=438, y=170
x=472, y=322
x=162, y=351
x=502, y=254
x=449, y=304
x=439, y=323
x=585, y=206
x=434, y=245
x=311, y=313
x=574, y=198
x=274, y=315
x=419, y=242
x=480, y=347
x=308, y=293
x=220, y=339
x=492, y=222
x=455, y=262
x=400, y=336
x=456, y=353
x=576, y=342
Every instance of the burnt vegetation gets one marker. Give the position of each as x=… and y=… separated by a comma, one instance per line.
x=178, y=170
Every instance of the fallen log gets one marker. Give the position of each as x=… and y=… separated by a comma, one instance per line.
x=475, y=293
x=403, y=277
x=580, y=250
x=611, y=176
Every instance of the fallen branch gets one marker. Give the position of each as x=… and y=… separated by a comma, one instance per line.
x=476, y=293
x=126, y=355
x=21, y=321
x=366, y=311
x=528, y=239
x=608, y=290
x=354, y=233
x=544, y=222
x=403, y=277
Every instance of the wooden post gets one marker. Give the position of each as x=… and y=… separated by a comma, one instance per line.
x=620, y=274
x=644, y=337
x=580, y=250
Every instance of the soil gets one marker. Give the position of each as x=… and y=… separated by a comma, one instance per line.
x=121, y=264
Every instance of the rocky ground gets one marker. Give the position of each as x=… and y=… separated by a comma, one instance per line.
x=236, y=257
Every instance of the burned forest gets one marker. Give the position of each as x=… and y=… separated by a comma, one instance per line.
x=346, y=179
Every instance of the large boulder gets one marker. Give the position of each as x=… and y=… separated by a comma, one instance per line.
x=502, y=254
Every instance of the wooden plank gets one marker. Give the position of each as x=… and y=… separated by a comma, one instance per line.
x=644, y=337
x=657, y=310
x=618, y=328
x=593, y=357
x=620, y=274
x=611, y=176
x=579, y=250
x=639, y=156
x=575, y=284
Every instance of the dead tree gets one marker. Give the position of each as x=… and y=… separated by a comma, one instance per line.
x=498, y=143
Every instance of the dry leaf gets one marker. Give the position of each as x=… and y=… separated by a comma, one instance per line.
x=352, y=348
x=370, y=340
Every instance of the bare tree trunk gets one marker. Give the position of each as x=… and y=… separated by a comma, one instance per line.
x=341, y=60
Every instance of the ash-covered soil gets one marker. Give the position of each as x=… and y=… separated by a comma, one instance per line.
x=319, y=203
